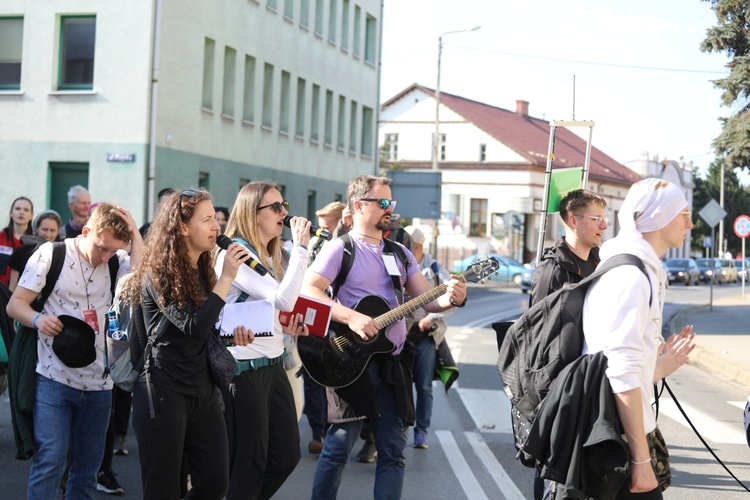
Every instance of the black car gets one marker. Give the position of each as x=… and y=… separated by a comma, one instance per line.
x=683, y=271
x=708, y=269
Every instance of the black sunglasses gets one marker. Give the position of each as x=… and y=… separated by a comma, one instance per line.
x=277, y=206
x=383, y=203
x=189, y=193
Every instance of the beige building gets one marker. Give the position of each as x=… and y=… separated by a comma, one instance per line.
x=127, y=98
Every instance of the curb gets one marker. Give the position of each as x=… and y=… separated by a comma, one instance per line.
x=708, y=361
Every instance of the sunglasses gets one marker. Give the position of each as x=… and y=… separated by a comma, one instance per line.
x=188, y=193
x=277, y=206
x=383, y=203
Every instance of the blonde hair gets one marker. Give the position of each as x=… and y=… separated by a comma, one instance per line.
x=242, y=223
x=105, y=218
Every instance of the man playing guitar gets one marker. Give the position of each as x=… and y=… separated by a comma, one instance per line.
x=384, y=392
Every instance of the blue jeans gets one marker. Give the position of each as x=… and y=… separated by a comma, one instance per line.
x=425, y=360
x=66, y=417
x=390, y=440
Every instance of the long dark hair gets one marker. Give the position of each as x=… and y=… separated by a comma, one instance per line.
x=9, y=228
x=165, y=255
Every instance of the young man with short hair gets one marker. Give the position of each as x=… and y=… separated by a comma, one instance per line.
x=73, y=404
x=576, y=254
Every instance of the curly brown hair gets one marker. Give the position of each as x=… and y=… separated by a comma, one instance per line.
x=165, y=255
x=242, y=223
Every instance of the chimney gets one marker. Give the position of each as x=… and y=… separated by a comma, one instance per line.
x=522, y=107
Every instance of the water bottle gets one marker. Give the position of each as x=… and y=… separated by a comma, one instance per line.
x=113, y=327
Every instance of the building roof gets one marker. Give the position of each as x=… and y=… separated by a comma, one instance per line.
x=529, y=136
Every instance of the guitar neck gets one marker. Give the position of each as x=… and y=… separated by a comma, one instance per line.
x=409, y=307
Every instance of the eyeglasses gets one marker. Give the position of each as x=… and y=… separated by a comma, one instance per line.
x=599, y=220
x=383, y=203
x=688, y=215
x=277, y=206
x=189, y=193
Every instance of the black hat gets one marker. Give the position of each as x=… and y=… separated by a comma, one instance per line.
x=76, y=344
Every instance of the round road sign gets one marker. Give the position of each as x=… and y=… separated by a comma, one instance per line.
x=742, y=226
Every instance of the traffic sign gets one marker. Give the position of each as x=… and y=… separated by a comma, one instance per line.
x=712, y=213
x=742, y=226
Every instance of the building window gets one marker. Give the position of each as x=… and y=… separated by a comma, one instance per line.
x=367, y=124
x=319, y=17
x=482, y=152
x=244, y=182
x=11, y=45
x=391, y=146
x=268, y=95
x=478, y=222
x=230, y=65
x=328, y=127
x=77, y=44
x=441, y=147
x=248, y=110
x=371, y=36
x=357, y=30
x=285, y=101
x=341, y=132
x=272, y=5
x=312, y=205
x=304, y=13
x=289, y=9
x=315, y=121
x=208, y=74
x=299, y=129
x=345, y=25
x=203, y=178
x=353, y=127
x=332, y=21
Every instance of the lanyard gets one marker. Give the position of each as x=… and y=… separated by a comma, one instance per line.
x=85, y=281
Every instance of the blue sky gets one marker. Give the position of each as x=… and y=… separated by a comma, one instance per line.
x=639, y=72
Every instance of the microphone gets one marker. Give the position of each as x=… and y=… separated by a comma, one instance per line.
x=223, y=241
x=314, y=230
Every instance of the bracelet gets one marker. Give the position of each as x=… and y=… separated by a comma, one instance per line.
x=301, y=245
x=458, y=305
x=640, y=463
x=33, y=321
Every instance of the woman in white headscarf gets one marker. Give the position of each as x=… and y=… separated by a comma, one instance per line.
x=622, y=316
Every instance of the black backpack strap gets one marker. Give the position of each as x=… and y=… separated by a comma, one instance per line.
x=55, y=268
x=397, y=250
x=347, y=260
x=114, y=268
x=624, y=259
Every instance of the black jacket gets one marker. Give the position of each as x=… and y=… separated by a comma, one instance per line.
x=576, y=436
x=558, y=266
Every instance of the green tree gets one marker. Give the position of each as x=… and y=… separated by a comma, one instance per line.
x=736, y=202
x=732, y=36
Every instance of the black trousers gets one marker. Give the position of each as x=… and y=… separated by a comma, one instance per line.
x=183, y=424
x=263, y=432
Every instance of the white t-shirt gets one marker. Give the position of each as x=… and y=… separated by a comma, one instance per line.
x=70, y=296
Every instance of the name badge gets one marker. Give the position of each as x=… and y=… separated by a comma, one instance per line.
x=89, y=316
x=390, y=264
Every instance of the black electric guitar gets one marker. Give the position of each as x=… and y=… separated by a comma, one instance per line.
x=340, y=358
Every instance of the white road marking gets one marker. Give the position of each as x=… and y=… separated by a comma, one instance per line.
x=710, y=428
x=460, y=468
x=490, y=409
x=738, y=404
x=502, y=479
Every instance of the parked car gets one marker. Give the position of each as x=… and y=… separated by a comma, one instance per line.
x=683, y=271
x=727, y=271
x=740, y=271
x=526, y=276
x=509, y=270
x=708, y=269
x=666, y=270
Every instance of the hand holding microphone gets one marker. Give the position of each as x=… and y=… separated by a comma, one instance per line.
x=223, y=241
x=314, y=230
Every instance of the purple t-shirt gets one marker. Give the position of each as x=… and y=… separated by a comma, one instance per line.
x=368, y=276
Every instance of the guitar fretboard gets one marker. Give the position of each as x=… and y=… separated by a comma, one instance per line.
x=409, y=307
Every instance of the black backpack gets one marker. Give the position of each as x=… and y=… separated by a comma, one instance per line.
x=537, y=346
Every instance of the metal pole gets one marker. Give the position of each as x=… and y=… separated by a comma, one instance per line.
x=713, y=274
x=435, y=146
x=545, y=200
x=721, y=222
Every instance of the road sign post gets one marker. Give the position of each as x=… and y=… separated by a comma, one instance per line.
x=712, y=213
x=742, y=230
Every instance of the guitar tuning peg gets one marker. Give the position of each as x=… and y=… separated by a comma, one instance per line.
x=481, y=282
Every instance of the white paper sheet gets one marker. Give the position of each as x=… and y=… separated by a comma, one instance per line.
x=257, y=315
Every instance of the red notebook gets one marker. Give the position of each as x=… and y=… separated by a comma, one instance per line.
x=316, y=314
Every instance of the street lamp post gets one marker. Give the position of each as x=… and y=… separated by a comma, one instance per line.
x=436, y=139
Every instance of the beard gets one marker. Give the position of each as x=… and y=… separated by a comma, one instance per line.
x=382, y=224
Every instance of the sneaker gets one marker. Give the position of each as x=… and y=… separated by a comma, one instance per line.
x=120, y=448
x=368, y=453
x=315, y=446
x=420, y=439
x=106, y=481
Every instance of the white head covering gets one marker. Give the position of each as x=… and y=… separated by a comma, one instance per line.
x=650, y=205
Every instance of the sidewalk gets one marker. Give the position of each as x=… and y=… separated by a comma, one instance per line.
x=723, y=336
